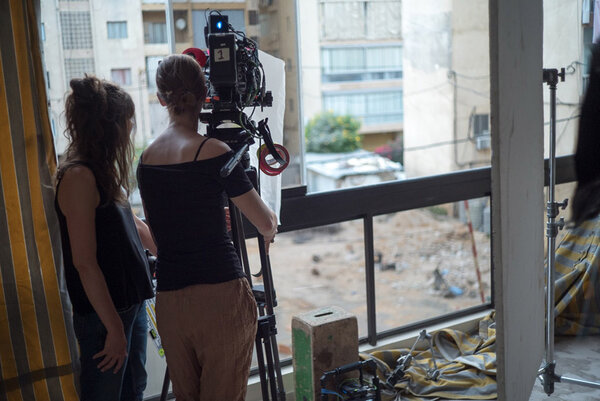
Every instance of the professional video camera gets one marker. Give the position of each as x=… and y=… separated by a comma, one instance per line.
x=236, y=81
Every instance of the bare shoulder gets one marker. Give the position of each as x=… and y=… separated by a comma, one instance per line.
x=78, y=185
x=155, y=146
x=213, y=148
x=78, y=175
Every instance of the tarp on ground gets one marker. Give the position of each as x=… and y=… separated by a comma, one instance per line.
x=465, y=364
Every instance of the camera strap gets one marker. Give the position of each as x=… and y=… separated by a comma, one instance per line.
x=265, y=134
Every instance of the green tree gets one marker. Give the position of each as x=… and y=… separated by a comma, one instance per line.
x=331, y=133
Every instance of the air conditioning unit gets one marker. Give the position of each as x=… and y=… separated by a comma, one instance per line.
x=483, y=142
x=266, y=3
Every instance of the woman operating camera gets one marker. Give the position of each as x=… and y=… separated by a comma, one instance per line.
x=206, y=312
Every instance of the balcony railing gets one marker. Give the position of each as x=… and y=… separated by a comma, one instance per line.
x=301, y=211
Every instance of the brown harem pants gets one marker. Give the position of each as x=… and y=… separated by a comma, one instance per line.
x=208, y=332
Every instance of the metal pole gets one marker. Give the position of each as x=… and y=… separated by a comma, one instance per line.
x=370, y=279
x=586, y=383
x=170, y=27
x=550, y=230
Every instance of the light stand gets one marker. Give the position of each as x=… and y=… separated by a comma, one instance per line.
x=547, y=373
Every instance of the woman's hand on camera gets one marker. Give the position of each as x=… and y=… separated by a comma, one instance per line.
x=114, y=352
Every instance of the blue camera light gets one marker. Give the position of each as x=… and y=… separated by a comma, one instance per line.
x=219, y=25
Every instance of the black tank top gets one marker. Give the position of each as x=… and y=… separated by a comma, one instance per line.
x=120, y=255
x=185, y=205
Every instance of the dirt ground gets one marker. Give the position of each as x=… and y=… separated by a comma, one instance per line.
x=424, y=267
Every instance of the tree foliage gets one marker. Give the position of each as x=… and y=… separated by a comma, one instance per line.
x=331, y=133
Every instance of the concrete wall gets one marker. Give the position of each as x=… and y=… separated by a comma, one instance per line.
x=310, y=58
x=123, y=53
x=279, y=37
x=563, y=47
x=107, y=54
x=446, y=81
x=428, y=96
x=471, y=83
x=517, y=192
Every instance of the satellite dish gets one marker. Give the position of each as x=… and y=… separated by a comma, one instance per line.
x=180, y=24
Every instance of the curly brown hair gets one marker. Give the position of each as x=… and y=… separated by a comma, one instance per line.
x=180, y=82
x=100, y=116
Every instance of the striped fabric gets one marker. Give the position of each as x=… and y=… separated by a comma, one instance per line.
x=577, y=291
x=37, y=346
x=466, y=365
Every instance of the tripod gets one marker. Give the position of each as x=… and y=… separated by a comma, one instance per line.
x=547, y=373
x=267, y=353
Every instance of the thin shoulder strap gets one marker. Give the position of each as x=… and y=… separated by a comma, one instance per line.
x=200, y=147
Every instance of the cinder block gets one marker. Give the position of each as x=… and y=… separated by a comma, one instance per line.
x=322, y=340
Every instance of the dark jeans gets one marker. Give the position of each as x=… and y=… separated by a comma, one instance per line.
x=129, y=382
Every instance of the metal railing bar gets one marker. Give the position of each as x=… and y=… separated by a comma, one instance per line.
x=370, y=279
x=324, y=208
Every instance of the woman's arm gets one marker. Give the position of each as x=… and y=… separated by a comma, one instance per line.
x=78, y=198
x=259, y=214
x=145, y=235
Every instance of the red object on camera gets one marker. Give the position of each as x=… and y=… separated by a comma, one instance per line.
x=197, y=54
x=268, y=164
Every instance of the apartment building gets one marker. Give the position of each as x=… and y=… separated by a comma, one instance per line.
x=351, y=63
x=123, y=42
x=95, y=37
x=447, y=86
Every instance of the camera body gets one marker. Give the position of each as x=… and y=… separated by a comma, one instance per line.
x=234, y=73
x=235, y=81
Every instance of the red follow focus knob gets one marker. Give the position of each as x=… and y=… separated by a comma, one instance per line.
x=268, y=164
x=197, y=54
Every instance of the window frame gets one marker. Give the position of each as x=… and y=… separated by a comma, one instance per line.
x=365, y=93
x=117, y=27
x=363, y=74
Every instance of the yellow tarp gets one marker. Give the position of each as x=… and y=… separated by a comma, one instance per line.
x=577, y=291
x=465, y=362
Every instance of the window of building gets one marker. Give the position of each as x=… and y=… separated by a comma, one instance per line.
x=481, y=131
x=155, y=32
x=361, y=63
x=481, y=125
x=77, y=67
x=121, y=76
x=76, y=30
x=371, y=107
x=181, y=26
x=116, y=29
x=364, y=19
x=43, y=32
x=151, y=67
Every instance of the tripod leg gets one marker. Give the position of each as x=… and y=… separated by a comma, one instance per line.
x=270, y=367
x=271, y=354
x=261, y=369
x=281, y=393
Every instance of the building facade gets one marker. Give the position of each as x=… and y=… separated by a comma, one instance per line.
x=351, y=58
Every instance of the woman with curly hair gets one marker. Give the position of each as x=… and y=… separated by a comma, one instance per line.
x=106, y=269
x=206, y=312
